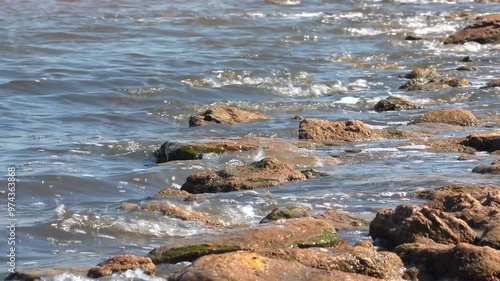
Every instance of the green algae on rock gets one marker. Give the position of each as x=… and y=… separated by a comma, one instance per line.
x=286, y=212
x=190, y=253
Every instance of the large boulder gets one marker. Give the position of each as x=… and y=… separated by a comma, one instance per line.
x=484, y=30
x=454, y=116
x=462, y=262
x=393, y=103
x=122, y=263
x=264, y=173
x=301, y=233
x=324, y=130
x=410, y=223
x=225, y=114
x=252, y=266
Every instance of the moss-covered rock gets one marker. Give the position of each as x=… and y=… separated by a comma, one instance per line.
x=287, y=212
x=171, y=151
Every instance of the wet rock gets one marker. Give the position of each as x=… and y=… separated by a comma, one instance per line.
x=466, y=15
x=455, y=82
x=122, y=263
x=181, y=212
x=427, y=74
x=487, y=169
x=393, y=103
x=468, y=157
x=447, y=145
x=492, y=84
x=363, y=260
x=225, y=114
x=311, y=174
x=485, y=141
x=298, y=117
x=461, y=262
x=22, y=276
x=473, y=203
x=409, y=223
x=466, y=59
x=287, y=212
x=171, y=151
x=301, y=232
x=324, y=130
x=484, y=30
x=341, y=220
x=264, y=173
x=454, y=116
x=491, y=234
x=171, y=193
x=252, y=266
x=413, y=38
x=466, y=68
x=496, y=162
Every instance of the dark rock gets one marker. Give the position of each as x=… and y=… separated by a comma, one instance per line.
x=225, y=114
x=171, y=151
x=22, y=276
x=301, y=232
x=324, y=130
x=409, y=223
x=413, y=38
x=454, y=116
x=455, y=82
x=492, y=84
x=311, y=174
x=487, y=169
x=298, y=117
x=288, y=212
x=122, y=263
x=264, y=173
x=485, y=30
x=486, y=141
x=466, y=59
x=428, y=74
x=461, y=262
x=394, y=103
x=466, y=68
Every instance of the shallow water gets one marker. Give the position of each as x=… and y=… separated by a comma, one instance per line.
x=91, y=88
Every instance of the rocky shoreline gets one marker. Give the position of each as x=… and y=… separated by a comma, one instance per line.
x=455, y=235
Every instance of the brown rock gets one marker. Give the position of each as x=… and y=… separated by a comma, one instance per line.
x=455, y=82
x=468, y=157
x=491, y=234
x=447, y=145
x=473, y=203
x=426, y=73
x=486, y=141
x=487, y=169
x=341, y=220
x=355, y=259
x=122, y=263
x=225, y=114
x=485, y=30
x=455, y=116
x=394, y=103
x=409, y=223
x=323, y=130
x=251, y=266
x=171, y=193
x=182, y=212
x=301, y=232
x=264, y=173
x=461, y=262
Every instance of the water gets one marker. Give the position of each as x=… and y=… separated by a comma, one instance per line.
x=91, y=88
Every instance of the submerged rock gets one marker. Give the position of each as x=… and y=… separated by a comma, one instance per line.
x=428, y=74
x=393, y=103
x=287, y=212
x=252, y=266
x=182, y=212
x=324, y=130
x=492, y=84
x=454, y=116
x=302, y=233
x=461, y=262
x=341, y=220
x=410, y=223
x=122, y=263
x=264, y=173
x=171, y=151
x=225, y=114
x=484, y=30
x=171, y=193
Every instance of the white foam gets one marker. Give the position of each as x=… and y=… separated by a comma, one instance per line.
x=348, y=100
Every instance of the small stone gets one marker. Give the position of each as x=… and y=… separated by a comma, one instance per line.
x=122, y=263
x=413, y=38
x=466, y=59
